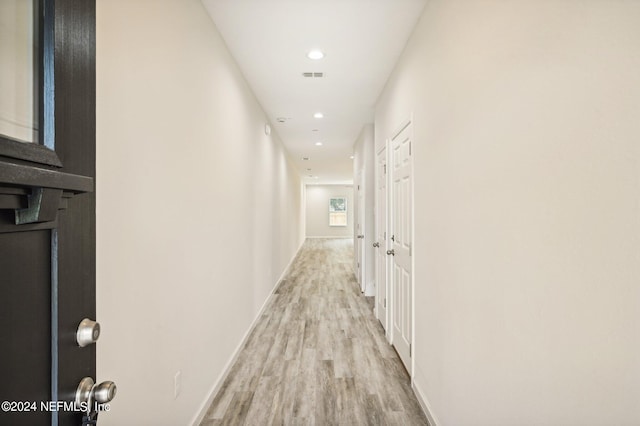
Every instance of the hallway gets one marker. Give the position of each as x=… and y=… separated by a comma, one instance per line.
x=318, y=355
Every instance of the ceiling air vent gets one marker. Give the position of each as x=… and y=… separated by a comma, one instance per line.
x=313, y=74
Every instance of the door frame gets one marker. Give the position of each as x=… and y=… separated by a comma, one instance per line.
x=382, y=242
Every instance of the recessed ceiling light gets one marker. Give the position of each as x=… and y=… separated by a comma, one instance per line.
x=318, y=143
x=315, y=54
x=318, y=115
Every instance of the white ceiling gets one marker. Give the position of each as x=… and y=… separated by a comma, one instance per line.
x=361, y=39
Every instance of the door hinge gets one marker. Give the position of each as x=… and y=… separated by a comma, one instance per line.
x=385, y=235
x=410, y=349
x=409, y=147
x=358, y=264
x=385, y=302
x=385, y=169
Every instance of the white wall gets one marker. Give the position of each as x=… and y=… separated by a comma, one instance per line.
x=198, y=210
x=364, y=167
x=527, y=206
x=317, y=211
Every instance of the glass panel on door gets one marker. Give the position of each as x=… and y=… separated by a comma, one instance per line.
x=19, y=70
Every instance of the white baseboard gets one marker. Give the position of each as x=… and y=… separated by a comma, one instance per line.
x=204, y=407
x=347, y=237
x=426, y=407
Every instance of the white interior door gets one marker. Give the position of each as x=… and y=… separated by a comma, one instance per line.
x=381, y=237
x=402, y=230
x=360, y=232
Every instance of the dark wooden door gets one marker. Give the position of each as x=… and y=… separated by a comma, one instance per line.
x=47, y=227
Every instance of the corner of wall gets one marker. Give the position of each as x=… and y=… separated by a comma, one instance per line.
x=370, y=288
x=426, y=407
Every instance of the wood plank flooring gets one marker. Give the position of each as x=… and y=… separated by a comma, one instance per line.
x=318, y=356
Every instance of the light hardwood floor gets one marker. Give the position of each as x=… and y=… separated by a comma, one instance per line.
x=318, y=355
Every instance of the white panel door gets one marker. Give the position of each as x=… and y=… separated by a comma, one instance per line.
x=380, y=244
x=401, y=235
x=360, y=265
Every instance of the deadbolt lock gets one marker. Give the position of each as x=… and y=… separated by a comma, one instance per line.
x=88, y=332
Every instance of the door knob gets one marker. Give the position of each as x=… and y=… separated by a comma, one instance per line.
x=391, y=252
x=360, y=236
x=88, y=332
x=89, y=392
x=376, y=244
x=104, y=392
